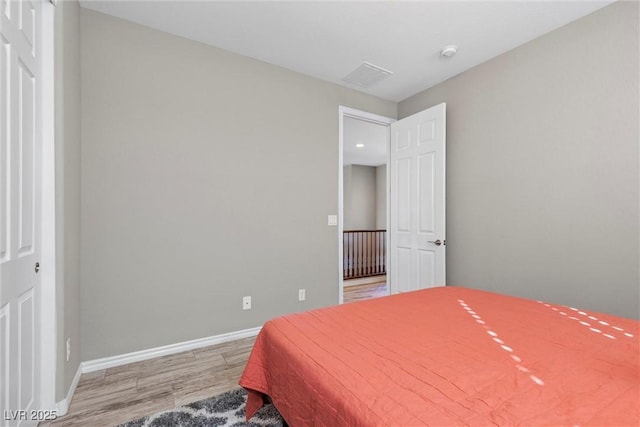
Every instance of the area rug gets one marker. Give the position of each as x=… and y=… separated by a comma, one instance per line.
x=227, y=409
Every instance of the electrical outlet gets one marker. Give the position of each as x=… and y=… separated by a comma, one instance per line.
x=68, y=349
x=302, y=295
x=246, y=303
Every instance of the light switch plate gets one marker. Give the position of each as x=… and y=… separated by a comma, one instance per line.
x=332, y=220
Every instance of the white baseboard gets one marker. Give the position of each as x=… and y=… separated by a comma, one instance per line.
x=62, y=407
x=137, y=356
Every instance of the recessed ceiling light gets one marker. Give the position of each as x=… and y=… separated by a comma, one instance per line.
x=448, y=51
x=359, y=145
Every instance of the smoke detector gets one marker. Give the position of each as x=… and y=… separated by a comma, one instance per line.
x=448, y=51
x=366, y=75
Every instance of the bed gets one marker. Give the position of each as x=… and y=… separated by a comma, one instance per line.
x=447, y=356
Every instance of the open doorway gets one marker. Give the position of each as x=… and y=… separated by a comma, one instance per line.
x=363, y=205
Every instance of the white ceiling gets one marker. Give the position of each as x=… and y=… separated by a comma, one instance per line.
x=328, y=40
x=375, y=139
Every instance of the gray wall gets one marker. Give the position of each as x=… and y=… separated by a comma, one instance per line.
x=542, y=166
x=381, y=197
x=346, y=196
x=359, y=197
x=67, y=141
x=206, y=176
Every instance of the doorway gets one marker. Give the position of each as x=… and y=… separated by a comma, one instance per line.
x=363, y=207
x=414, y=251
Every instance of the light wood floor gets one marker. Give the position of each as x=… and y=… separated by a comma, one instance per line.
x=117, y=395
x=362, y=292
x=124, y=393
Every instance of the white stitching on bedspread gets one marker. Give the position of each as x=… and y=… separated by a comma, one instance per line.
x=597, y=322
x=500, y=342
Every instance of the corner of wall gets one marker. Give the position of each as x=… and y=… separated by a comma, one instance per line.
x=67, y=147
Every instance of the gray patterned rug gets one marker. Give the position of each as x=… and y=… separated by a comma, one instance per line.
x=227, y=409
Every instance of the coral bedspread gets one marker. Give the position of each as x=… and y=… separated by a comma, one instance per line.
x=447, y=356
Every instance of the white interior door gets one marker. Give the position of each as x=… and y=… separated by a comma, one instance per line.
x=20, y=204
x=417, y=252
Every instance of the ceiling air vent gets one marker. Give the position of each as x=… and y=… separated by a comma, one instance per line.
x=367, y=75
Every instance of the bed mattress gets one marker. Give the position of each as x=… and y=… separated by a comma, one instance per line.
x=447, y=356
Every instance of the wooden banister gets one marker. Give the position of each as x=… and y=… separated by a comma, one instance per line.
x=364, y=253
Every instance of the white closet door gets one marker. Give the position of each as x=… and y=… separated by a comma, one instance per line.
x=20, y=203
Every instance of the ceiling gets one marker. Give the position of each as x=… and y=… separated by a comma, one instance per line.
x=373, y=137
x=329, y=39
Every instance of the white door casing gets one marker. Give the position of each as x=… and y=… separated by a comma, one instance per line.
x=368, y=117
x=20, y=209
x=417, y=217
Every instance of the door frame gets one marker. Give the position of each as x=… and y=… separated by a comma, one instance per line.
x=371, y=118
x=48, y=303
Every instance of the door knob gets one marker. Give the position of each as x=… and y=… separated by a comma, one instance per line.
x=437, y=242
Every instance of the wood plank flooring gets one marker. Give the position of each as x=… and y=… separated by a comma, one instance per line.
x=117, y=395
x=124, y=393
x=362, y=292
